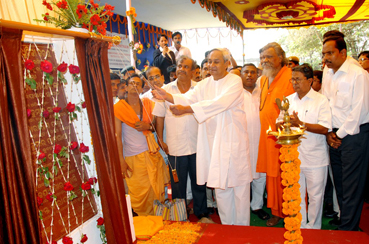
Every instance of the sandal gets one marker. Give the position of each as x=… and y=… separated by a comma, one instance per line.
x=273, y=221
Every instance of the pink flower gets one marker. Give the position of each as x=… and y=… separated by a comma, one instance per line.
x=92, y=181
x=100, y=221
x=68, y=186
x=73, y=145
x=49, y=197
x=73, y=69
x=46, y=114
x=71, y=107
x=62, y=67
x=56, y=109
x=86, y=186
x=57, y=148
x=83, y=148
x=46, y=66
x=29, y=64
x=39, y=201
x=67, y=240
x=84, y=238
x=84, y=105
x=29, y=112
x=41, y=155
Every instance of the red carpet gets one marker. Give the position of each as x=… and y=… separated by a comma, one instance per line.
x=228, y=234
x=364, y=220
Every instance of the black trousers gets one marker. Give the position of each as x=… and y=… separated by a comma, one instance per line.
x=187, y=165
x=349, y=165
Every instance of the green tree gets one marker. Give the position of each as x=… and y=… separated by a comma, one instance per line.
x=306, y=43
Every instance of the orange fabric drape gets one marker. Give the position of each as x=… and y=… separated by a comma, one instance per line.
x=125, y=113
x=18, y=207
x=95, y=75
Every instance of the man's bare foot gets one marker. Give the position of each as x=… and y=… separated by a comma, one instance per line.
x=273, y=221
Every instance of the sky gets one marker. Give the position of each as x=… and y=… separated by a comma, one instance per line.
x=201, y=40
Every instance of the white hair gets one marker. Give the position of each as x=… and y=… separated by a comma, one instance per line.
x=225, y=53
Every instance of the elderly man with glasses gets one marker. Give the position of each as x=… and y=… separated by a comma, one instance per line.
x=310, y=109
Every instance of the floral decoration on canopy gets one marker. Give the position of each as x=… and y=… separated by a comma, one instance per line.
x=294, y=12
x=77, y=13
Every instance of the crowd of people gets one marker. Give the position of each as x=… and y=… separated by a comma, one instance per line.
x=203, y=129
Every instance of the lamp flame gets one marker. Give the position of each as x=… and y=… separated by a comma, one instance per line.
x=269, y=130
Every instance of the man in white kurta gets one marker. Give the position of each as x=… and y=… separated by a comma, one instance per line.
x=181, y=140
x=222, y=149
x=310, y=108
x=251, y=93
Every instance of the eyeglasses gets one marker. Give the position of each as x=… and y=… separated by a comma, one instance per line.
x=152, y=78
x=363, y=59
x=296, y=81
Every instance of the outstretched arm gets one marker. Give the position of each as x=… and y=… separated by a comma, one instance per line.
x=161, y=94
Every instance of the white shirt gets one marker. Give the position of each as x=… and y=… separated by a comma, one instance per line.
x=182, y=51
x=134, y=142
x=181, y=136
x=222, y=144
x=313, y=108
x=348, y=93
x=251, y=107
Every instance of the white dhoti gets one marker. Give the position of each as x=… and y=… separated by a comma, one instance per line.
x=313, y=181
x=258, y=186
x=234, y=205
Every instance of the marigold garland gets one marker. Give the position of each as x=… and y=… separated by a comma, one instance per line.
x=176, y=233
x=291, y=193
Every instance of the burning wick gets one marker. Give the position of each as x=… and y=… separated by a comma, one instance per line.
x=269, y=130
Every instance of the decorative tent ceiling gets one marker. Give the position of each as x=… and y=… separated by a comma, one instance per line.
x=237, y=14
x=281, y=13
x=244, y=14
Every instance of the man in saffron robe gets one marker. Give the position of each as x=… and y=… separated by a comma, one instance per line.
x=274, y=83
x=142, y=165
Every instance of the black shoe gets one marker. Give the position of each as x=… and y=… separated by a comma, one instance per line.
x=261, y=214
x=329, y=212
x=211, y=211
x=200, y=216
x=335, y=222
